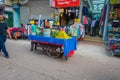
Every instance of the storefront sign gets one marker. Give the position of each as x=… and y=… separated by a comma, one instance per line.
x=67, y=3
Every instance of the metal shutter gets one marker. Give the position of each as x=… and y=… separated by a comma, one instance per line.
x=40, y=7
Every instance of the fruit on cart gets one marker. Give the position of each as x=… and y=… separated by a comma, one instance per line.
x=63, y=35
x=55, y=33
x=38, y=32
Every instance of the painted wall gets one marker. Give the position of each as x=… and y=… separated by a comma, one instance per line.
x=16, y=16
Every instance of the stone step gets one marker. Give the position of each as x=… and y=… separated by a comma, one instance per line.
x=93, y=39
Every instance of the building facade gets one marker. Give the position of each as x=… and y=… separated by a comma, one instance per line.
x=34, y=8
x=20, y=11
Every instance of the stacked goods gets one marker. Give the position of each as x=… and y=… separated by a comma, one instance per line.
x=114, y=1
x=47, y=32
x=55, y=33
x=62, y=35
x=115, y=45
x=118, y=12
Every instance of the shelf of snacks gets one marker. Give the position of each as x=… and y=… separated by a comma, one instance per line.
x=114, y=46
x=113, y=34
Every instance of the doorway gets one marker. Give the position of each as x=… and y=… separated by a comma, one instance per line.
x=9, y=20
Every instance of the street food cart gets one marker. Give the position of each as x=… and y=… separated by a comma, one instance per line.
x=54, y=47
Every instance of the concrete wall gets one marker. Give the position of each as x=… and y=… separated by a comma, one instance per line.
x=16, y=17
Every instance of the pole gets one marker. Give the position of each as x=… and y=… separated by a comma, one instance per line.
x=39, y=24
x=106, y=23
x=80, y=11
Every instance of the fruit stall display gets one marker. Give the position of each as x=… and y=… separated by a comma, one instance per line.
x=54, y=41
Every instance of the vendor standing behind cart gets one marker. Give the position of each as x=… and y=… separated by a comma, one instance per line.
x=34, y=28
x=3, y=36
x=33, y=31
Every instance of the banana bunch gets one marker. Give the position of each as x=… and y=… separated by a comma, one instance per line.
x=63, y=35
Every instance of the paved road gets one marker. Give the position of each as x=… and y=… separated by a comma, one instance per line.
x=90, y=62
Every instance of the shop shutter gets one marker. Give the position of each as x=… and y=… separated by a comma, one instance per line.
x=40, y=7
x=24, y=12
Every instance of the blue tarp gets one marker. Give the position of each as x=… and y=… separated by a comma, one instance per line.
x=69, y=44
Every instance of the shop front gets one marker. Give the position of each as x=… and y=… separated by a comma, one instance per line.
x=113, y=27
x=54, y=35
x=67, y=16
x=66, y=11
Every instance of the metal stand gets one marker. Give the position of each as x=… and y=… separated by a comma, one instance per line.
x=51, y=50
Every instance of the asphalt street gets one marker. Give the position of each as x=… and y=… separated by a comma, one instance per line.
x=90, y=62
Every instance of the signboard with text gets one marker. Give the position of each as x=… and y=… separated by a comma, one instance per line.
x=65, y=3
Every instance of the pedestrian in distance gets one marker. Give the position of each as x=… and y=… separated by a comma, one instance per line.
x=93, y=31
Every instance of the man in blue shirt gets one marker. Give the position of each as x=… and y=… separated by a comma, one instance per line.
x=33, y=31
x=3, y=36
x=34, y=27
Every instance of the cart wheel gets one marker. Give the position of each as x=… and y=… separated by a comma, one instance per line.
x=45, y=48
x=52, y=52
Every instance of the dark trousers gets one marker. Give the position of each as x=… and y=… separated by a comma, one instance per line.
x=3, y=39
x=86, y=28
x=93, y=31
x=33, y=45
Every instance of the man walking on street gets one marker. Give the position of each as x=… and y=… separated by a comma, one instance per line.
x=3, y=36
